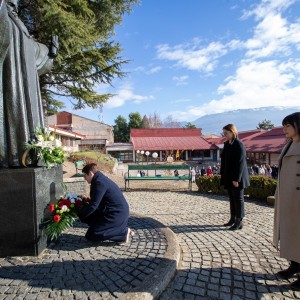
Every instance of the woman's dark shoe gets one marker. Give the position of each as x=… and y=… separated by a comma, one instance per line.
x=293, y=269
x=237, y=225
x=230, y=222
x=296, y=284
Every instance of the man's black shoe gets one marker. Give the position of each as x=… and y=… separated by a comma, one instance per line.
x=293, y=269
x=296, y=284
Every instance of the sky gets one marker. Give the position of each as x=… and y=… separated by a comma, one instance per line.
x=197, y=57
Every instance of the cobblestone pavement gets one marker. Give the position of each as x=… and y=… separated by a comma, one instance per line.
x=217, y=263
x=74, y=268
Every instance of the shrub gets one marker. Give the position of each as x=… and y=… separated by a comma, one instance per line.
x=260, y=186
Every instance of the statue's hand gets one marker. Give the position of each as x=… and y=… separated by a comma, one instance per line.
x=54, y=46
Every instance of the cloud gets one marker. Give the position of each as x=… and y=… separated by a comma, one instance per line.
x=266, y=7
x=267, y=75
x=154, y=70
x=125, y=94
x=273, y=35
x=257, y=84
x=181, y=80
x=193, y=56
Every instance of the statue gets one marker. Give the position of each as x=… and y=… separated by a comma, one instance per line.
x=22, y=60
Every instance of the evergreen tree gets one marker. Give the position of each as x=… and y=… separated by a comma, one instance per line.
x=135, y=120
x=265, y=124
x=121, y=130
x=189, y=125
x=87, y=55
x=145, y=122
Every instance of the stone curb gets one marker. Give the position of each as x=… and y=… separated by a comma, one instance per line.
x=158, y=280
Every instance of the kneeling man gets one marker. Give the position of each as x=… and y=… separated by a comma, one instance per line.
x=108, y=211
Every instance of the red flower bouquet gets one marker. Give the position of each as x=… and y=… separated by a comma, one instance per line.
x=63, y=214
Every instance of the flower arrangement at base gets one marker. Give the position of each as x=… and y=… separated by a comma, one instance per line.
x=44, y=147
x=63, y=214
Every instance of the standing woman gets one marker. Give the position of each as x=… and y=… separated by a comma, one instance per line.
x=287, y=200
x=234, y=175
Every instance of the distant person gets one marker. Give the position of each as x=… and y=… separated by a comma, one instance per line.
x=209, y=171
x=108, y=212
x=274, y=171
x=234, y=175
x=287, y=200
x=255, y=169
x=176, y=173
x=203, y=171
x=250, y=170
x=193, y=174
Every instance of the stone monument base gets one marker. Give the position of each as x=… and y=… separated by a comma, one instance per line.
x=25, y=194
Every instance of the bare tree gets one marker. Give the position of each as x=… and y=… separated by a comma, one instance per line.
x=169, y=122
x=154, y=121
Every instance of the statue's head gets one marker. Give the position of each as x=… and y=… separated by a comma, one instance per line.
x=13, y=5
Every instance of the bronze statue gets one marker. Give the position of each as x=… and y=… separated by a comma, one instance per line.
x=22, y=60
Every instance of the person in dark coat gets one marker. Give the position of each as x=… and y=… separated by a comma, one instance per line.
x=234, y=175
x=108, y=211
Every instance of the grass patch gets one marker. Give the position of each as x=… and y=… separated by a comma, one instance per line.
x=105, y=162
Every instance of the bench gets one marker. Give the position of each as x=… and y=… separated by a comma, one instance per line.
x=137, y=168
x=79, y=166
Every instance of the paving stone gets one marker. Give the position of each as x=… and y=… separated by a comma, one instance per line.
x=216, y=263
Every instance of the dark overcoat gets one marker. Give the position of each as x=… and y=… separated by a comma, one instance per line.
x=108, y=211
x=234, y=164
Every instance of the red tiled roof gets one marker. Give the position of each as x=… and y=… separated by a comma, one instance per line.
x=171, y=143
x=169, y=139
x=271, y=141
x=164, y=132
x=243, y=136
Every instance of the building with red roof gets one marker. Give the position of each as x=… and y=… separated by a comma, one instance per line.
x=266, y=147
x=262, y=146
x=68, y=139
x=96, y=135
x=180, y=143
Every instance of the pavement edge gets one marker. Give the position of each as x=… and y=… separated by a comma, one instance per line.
x=158, y=280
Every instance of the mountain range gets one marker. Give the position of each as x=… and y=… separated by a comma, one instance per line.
x=244, y=119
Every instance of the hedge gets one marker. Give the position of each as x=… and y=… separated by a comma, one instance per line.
x=260, y=186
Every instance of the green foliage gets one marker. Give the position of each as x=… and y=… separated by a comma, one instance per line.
x=260, y=186
x=121, y=130
x=135, y=120
x=87, y=53
x=63, y=214
x=54, y=230
x=265, y=124
x=189, y=125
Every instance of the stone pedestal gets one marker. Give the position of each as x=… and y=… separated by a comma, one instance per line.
x=24, y=198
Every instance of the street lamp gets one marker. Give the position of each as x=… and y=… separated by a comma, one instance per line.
x=142, y=153
x=147, y=153
x=155, y=155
